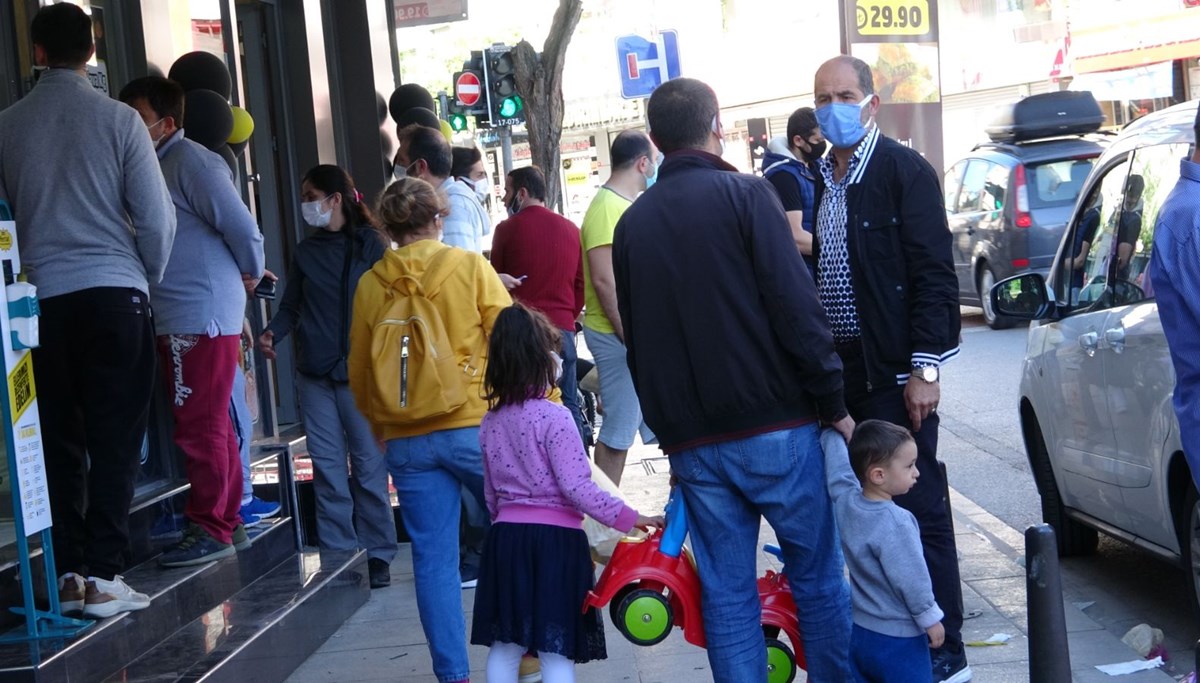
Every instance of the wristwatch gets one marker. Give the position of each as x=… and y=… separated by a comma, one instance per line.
x=925, y=373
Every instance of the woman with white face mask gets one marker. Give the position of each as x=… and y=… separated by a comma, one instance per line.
x=468, y=169
x=316, y=305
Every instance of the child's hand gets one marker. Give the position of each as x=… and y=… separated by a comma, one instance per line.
x=647, y=523
x=937, y=635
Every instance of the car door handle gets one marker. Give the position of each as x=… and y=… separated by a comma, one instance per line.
x=1089, y=342
x=1115, y=336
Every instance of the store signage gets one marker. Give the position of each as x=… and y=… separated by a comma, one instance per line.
x=420, y=12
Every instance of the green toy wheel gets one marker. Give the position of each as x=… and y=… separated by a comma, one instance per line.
x=644, y=617
x=781, y=663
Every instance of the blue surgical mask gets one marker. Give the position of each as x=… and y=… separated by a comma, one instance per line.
x=653, y=177
x=841, y=123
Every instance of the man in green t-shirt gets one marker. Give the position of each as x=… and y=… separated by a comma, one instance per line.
x=634, y=168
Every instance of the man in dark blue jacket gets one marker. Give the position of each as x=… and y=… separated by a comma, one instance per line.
x=786, y=165
x=735, y=368
x=885, y=275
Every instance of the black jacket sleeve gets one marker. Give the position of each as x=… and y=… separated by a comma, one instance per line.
x=926, y=245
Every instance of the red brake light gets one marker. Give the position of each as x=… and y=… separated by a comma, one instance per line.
x=1020, y=262
x=1023, y=219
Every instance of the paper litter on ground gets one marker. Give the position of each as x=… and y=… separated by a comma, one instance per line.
x=1130, y=667
x=994, y=639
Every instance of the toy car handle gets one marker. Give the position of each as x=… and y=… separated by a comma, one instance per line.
x=677, y=525
x=775, y=550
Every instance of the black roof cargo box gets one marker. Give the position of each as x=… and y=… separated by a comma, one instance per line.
x=1047, y=115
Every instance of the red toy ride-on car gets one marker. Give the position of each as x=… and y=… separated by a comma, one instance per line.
x=651, y=585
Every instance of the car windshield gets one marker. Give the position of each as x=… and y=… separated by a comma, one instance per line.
x=1057, y=183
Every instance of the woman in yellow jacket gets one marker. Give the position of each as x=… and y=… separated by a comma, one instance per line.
x=433, y=457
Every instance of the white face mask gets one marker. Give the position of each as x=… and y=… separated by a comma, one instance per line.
x=482, y=188
x=314, y=216
x=716, y=128
x=156, y=140
x=401, y=172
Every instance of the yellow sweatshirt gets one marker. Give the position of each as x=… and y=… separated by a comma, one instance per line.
x=469, y=301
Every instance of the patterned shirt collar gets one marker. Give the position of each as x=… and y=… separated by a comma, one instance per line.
x=858, y=160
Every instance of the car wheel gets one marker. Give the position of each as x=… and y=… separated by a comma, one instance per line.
x=644, y=617
x=781, y=663
x=994, y=320
x=1073, y=537
x=1189, y=543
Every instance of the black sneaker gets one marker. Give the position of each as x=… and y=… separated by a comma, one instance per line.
x=197, y=547
x=469, y=573
x=950, y=667
x=380, y=572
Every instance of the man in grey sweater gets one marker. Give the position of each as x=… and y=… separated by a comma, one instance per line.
x=95, y=226
x=217, y=260
x=896, y=618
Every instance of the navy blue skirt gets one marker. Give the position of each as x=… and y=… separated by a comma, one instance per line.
x=532, y=584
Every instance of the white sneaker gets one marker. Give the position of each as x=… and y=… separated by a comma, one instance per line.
x=107, y=598
x=71, y=592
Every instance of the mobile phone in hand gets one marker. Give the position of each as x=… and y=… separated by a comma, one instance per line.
x=265, y=289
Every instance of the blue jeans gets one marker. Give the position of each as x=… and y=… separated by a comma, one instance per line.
x=243, y=429
x=888, y=659
x=428, y=472
x=727, y=486
x=569, y=383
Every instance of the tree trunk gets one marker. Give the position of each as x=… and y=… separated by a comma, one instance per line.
x=539, y=82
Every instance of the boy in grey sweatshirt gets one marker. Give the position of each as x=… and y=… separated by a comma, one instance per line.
x=896, y=619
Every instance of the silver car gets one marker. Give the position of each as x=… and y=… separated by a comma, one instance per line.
x=1095, y=403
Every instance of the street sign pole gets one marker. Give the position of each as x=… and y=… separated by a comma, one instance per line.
x=506, y=148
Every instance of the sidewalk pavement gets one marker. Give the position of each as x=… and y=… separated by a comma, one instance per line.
x=383, y=641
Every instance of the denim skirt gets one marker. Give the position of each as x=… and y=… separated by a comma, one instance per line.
x=532, y=583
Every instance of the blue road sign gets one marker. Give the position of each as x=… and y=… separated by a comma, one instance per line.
x=646, y=63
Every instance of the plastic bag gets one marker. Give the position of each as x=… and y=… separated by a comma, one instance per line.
x=601, y=537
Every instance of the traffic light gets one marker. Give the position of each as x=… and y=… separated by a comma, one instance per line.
x=756, y=130
x=458, y=122
x=505, y=107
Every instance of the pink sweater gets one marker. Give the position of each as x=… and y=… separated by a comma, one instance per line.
x=535, y=470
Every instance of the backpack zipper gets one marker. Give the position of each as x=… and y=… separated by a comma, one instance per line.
x=404, y=372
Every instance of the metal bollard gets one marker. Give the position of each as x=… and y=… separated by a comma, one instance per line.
x=1049, y=654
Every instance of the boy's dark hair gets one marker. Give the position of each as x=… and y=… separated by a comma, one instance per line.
x=680, y=114
x=531, y=179
x=65, y=32
x=874, y=443
x=419, y=142
x=462, y=159
x=802, y=122
x=163, y=95
x=332, y=179
x=519, y=366
x=627, y=147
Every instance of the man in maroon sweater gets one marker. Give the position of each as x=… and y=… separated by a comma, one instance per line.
x=538, y=256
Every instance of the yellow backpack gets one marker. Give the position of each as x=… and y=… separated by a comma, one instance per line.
x=414, y=373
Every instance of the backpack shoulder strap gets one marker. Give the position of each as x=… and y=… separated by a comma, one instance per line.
x=440, y=267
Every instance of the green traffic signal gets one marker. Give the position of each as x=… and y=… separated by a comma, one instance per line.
x=458, y=122
x=510, y=106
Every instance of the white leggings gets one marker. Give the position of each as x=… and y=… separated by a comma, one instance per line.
x=505, y=658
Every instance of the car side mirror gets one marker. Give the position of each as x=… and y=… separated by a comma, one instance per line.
x=1022, y=296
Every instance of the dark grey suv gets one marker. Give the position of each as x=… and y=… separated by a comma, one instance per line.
x=1009, y=200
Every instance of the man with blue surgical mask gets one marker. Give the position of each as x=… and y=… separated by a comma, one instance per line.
x=885, y=275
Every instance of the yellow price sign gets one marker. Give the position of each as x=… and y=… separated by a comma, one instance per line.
x=892, y=17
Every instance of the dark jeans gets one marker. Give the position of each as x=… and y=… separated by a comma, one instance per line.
x=569, y=383
x=927, y=499
x=95, y=376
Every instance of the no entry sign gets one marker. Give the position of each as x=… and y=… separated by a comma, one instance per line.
x=467, y=89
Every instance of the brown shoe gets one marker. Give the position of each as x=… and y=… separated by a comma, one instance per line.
x=530, y=670
x=71, y=593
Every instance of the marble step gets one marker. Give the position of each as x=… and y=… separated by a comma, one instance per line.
x=266, y=630
x=178, y=596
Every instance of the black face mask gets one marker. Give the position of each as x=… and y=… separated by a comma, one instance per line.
x=817, y=150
